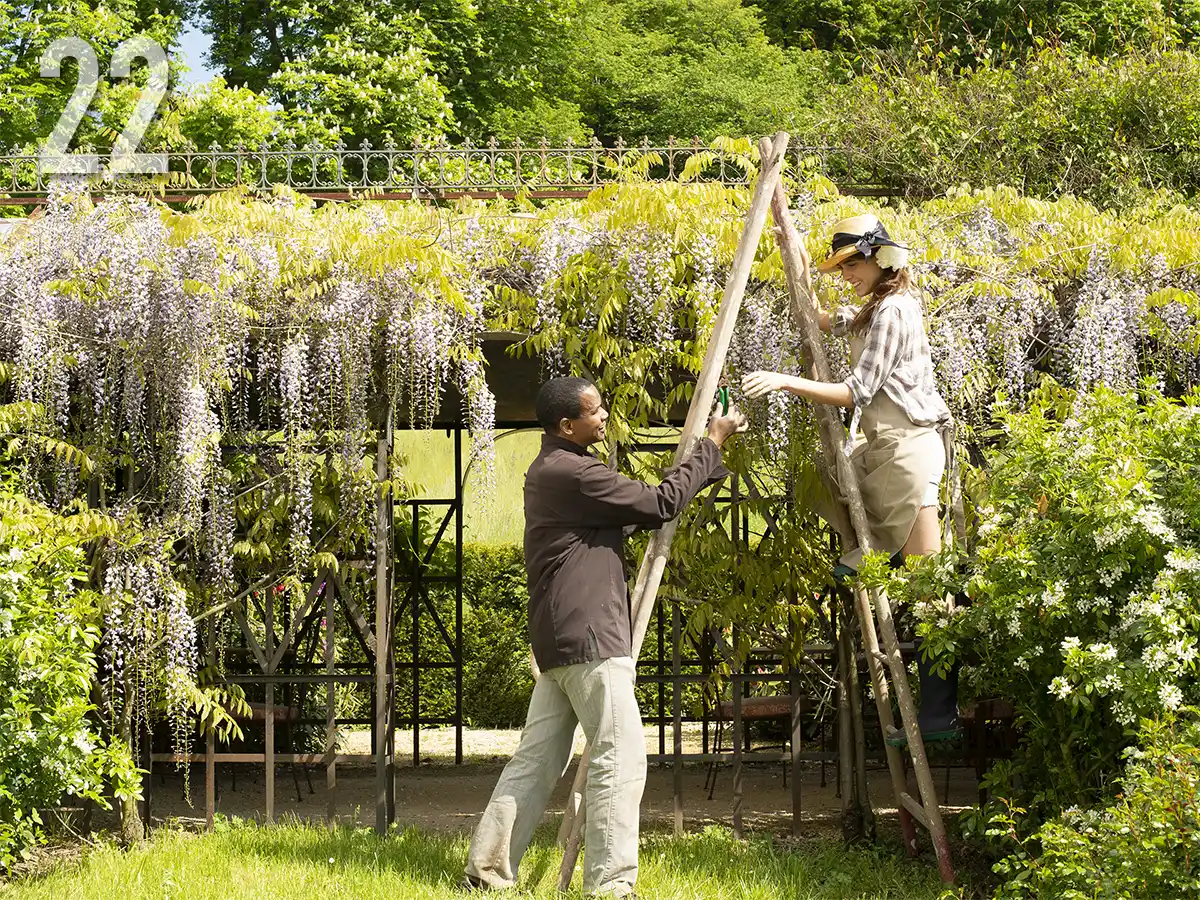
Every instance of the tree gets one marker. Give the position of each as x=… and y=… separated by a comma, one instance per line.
x=489, y=61
x=370, y=77
x=654, y=68
x=846, y=25
x=30, y=105
x=352, y=70
x=252, y=39
x=526, y=53
x=1100, y=26
x=215, y=113
x=969, y=28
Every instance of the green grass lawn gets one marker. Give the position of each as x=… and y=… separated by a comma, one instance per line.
x=301, y=862
x=495, y=519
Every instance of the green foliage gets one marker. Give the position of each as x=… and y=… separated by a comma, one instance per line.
x=555, y=122
x=755, y=573
x=978, y=29
x=497, y=680
x=494, y=578
x=520, y=53
x=1058, y=123
x=656, y=68
x=402, y=70
x=1092, y=99
x=1145, y=845
x=366, y=77
x=1084, y=585
x=50, y=744
x=849, y=26
x=971, y=31
x=215, y=113
x=29, y=104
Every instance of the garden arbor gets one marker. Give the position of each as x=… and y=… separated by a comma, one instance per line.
x=255, y=460
x=287, y=653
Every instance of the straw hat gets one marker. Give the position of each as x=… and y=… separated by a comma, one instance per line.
x=865, y=235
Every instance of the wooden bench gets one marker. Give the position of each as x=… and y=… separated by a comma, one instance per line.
x=285, y=716
x=777, y=708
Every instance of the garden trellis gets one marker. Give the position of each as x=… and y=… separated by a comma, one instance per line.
x=216, y=381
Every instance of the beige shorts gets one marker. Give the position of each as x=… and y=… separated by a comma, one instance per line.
x=933, y=489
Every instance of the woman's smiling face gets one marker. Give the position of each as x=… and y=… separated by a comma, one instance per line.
x=861, y=273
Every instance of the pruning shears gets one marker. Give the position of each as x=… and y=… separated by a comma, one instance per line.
x=723, y=399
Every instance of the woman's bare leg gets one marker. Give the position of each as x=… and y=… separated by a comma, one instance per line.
x=926, y=535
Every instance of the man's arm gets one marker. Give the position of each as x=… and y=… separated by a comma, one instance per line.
x=610, y=498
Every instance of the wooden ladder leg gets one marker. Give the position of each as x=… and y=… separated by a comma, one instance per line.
x=916, y=746
x=883, y=703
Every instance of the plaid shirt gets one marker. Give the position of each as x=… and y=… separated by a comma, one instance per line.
x=895, y=358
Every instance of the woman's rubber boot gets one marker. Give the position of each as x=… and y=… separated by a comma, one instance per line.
x=938, y=716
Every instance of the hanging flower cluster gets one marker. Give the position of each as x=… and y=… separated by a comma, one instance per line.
x=1101, y=348
x=227, y=370
x=149, y=644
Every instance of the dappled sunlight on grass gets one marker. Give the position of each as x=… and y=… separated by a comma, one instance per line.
x=297, y=862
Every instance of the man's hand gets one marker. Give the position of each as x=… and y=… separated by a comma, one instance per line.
x=720, y=427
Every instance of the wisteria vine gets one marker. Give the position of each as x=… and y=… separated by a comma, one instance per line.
x=226, y=370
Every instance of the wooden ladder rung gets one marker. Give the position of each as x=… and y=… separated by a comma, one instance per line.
x=913, y=805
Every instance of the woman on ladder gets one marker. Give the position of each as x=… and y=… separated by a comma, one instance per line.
x=899, y=454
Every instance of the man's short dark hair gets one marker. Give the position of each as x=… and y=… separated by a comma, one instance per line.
x=558, y=399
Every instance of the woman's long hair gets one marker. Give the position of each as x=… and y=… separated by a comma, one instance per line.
x=891, y=282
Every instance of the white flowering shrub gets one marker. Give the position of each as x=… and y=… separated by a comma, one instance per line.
x=1143, y=844
x=1084, y=585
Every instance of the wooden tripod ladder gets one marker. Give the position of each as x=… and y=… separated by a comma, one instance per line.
x=654, y=563
x=851, y=524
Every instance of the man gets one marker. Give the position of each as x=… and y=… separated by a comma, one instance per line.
x=577, y=511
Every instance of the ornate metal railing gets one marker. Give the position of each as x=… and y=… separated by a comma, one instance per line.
x=441, y=170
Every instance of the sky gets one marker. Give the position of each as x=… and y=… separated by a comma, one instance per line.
x=192, y=45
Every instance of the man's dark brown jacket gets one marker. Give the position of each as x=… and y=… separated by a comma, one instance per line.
x=576, y=508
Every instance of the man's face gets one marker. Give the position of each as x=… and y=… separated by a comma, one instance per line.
x=588, y=427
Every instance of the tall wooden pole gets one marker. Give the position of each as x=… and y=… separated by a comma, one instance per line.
x=645, y=590
x=383, y=630
x=832, y=433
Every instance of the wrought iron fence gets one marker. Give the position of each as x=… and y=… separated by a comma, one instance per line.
x=442, y=170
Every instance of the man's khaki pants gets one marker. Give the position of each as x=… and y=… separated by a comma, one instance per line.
x=599, y=696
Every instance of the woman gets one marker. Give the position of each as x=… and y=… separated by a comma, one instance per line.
x=900, y=456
